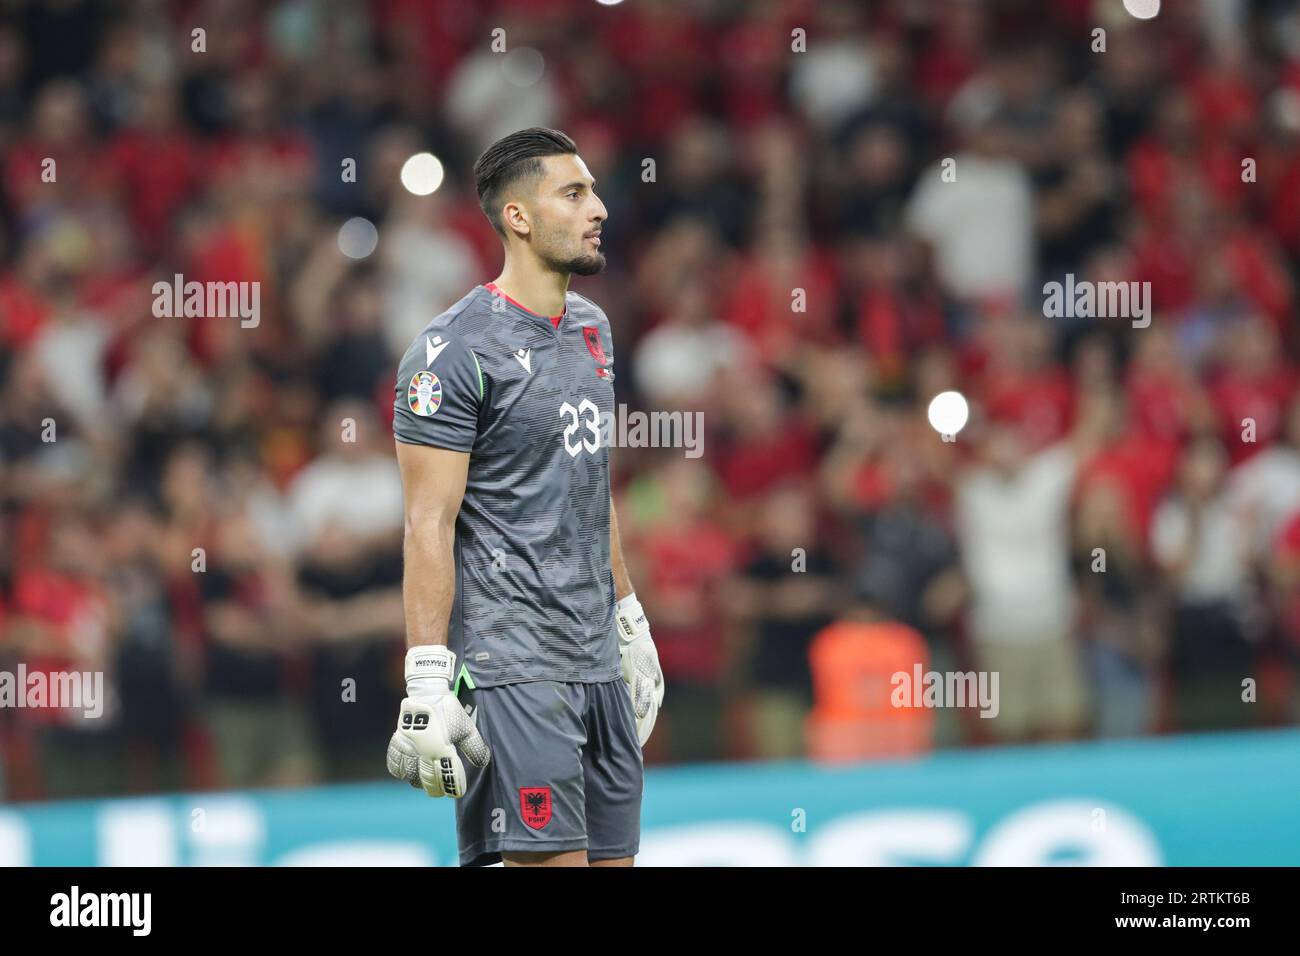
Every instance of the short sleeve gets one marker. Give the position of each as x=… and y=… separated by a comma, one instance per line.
x=439, y=392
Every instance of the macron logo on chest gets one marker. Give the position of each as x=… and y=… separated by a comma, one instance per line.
x=525, y=357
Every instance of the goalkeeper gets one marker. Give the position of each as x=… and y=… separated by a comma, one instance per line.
x=532, y=680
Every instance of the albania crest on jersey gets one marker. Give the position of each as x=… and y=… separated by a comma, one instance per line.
x=592, y=336
x=535, y=806
x=424, y=393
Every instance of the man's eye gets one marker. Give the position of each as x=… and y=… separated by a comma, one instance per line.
x=573, y=194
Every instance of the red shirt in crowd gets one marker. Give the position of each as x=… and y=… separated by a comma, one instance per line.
x=74, y=612
x=1288, y=554
x=1040, y=403
x=686, y=566
x=1265, y=400
x=157, y=174
x=1142, y=466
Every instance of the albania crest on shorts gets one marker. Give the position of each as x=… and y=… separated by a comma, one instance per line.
x=425, y=393
x=535, y=806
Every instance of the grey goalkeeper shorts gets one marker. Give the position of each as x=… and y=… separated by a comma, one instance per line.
x=565, y=773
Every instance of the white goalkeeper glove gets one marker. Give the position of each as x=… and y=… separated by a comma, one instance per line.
x=640, y=663
x=431, y=725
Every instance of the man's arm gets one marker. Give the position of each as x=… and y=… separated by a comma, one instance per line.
x=436, y=403
x=432, y=723
x=622, y=583
x=433, y=485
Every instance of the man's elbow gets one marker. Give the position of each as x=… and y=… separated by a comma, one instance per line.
x=429, y=523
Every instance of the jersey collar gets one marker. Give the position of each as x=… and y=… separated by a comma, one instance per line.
x=553, y=320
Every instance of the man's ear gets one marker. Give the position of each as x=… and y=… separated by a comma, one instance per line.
x=515, y=219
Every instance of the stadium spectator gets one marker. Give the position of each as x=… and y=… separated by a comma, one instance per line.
x=1012, y=520
x=787, y=591
x=1205, y=552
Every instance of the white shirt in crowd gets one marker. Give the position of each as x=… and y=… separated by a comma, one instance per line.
x=1014, y=536
x=427, y=268
x=362, y=497
x=1264, y=491
x=833, y=80
x=1218, y=569
x=981, y=225
x=677, y=363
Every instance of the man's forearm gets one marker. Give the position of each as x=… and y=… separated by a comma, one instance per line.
x=622, y=583
x=428, y=581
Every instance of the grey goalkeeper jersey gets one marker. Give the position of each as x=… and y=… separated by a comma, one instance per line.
x=527, y=399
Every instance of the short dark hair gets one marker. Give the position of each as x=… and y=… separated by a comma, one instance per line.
x=511, y=159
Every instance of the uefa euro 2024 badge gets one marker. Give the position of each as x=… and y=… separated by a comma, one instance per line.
x=425, y=393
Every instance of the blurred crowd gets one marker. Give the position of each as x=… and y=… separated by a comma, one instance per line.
x=210, y=513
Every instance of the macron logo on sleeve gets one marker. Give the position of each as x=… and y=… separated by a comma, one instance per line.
x=433, y=348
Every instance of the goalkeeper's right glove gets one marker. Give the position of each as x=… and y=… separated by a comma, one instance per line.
x=640, y=665
x=432, y=724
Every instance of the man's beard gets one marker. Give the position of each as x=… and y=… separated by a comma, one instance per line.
x=587, y=264
x=584, y=264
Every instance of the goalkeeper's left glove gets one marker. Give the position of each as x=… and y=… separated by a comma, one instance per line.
x=640, y=662
x=432, y=726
